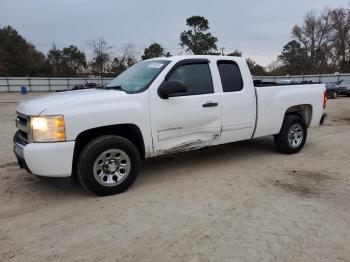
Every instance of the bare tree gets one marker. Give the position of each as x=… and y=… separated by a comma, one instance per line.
x=101, y=52
x=313, y=35
x=340, y=37
x=125, y=59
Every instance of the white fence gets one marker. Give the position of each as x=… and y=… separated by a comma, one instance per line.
x=44, y=84
x=329, y=78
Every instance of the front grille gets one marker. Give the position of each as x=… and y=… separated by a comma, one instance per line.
x=22, y=123
x=22, y=119
x=22, y=135
x=20, y=140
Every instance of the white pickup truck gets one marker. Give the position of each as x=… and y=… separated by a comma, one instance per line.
x=159, y=106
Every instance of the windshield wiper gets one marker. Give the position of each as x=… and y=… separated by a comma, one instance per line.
x=111, y=87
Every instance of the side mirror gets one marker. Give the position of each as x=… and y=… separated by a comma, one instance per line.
x=170, y=88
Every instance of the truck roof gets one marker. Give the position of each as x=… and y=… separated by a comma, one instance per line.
x=209, y=57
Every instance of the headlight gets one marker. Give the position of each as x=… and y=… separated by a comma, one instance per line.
x=47, y=129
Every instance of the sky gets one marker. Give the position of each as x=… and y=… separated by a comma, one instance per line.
x=258, y=28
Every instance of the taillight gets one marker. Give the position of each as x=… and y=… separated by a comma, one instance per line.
x=324, y=99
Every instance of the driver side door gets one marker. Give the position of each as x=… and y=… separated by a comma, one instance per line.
x=189, y=120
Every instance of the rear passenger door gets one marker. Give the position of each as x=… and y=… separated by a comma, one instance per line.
x=238, y=102
x=189, y=120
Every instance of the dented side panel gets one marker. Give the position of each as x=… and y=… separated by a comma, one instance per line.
x=190, y=145
x=182, y=123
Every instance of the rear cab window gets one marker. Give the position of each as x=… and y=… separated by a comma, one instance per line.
x=231, y=77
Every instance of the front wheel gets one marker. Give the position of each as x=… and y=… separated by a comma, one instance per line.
x=292, y=136
x=108, y=165
x=335, y=95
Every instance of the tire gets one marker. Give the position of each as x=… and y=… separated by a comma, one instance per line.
x=335, y=95
x=292, y=136
x=108, y=165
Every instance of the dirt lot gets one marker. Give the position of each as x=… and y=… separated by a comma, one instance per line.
x=238, y=202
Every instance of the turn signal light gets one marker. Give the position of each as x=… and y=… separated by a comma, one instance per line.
x=59, y=122
x=60, y=135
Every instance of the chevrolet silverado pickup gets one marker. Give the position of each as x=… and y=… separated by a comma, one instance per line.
x=157, y=107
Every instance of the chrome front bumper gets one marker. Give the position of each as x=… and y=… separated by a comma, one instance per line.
x=18, y=150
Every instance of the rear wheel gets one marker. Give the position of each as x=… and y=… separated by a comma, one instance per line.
x=292, y=136
x=335, y=95
x=108, y=165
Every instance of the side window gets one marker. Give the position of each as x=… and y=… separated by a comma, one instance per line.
x=197, y=78
x=230, y=75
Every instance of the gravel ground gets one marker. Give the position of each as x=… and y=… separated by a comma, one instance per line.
x=237, y=202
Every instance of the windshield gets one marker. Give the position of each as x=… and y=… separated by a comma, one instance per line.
x=138, y=77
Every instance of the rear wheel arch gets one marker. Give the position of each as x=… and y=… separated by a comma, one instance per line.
x=304, y=111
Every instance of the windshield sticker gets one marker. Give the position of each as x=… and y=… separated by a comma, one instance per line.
x=155, y=65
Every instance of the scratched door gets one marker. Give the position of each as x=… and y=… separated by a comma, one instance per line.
x=190, y=120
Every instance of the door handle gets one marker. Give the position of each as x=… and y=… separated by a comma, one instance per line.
x=210, y=104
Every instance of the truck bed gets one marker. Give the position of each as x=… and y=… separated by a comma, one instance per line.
x=274, y=101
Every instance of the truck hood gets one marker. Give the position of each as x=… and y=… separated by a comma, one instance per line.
x=38, y=105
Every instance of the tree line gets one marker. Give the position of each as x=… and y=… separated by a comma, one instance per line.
x=321, y=44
